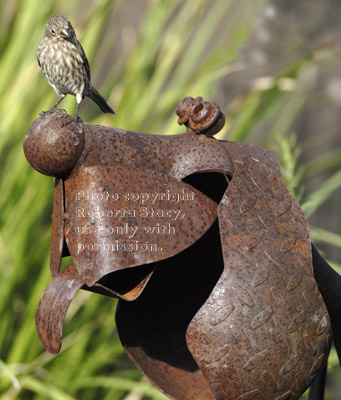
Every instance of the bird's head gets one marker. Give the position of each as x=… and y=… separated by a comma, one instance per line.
x=60, y=27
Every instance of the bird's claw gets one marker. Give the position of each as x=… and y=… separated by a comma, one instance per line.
x=43, y=113
x=75, y=119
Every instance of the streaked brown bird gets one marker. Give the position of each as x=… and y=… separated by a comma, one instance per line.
x=64, y=63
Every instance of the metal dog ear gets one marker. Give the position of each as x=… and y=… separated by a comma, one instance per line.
x=123, y=223
x=217, y=296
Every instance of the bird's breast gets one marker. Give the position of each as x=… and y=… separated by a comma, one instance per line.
x=62, y=66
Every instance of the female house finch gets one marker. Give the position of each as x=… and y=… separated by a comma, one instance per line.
x=64, y=63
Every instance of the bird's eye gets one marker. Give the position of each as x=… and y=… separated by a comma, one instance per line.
x=53, y=31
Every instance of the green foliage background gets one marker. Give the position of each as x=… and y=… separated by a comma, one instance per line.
x=173, y=51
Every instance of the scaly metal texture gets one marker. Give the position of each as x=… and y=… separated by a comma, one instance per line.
x=206, y=249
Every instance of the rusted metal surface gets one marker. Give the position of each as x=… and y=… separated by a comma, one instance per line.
x=203, y=117
x=51, y=147
x=271, y=327
x=53, y=306
x=219, y=300
x=118, y=236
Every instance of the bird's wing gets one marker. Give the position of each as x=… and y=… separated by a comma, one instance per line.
x=38, y=54
x=84, y=59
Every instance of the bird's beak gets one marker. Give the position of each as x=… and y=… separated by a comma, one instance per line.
x=65, y=32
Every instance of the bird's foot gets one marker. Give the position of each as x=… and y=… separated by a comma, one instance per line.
x=75, y=119
x=53, y=109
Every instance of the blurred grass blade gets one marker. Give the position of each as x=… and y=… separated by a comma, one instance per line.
x=44, y=390
x=319, y=196
x=322, y=235
x=121, y=383
x=6, y=372
x=324, y=162
x=288, y=154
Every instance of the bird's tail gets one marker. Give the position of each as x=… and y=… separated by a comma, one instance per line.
x=100, y=101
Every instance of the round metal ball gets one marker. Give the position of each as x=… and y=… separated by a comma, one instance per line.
x=53, y=147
